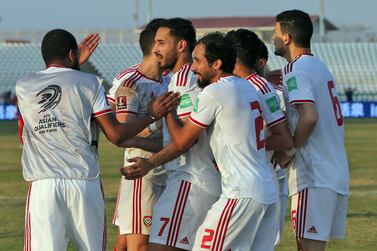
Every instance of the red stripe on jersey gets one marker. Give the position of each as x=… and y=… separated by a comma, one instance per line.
x=182, y=75
x=129, y=112
x=276, y=121
x=110, y=99
x=288, y=68
x=129, y=82
x=227, y=223
x=97, y=114
x=299, y=101
x=174, y=213
x=255, y=80
x=197, y=123
x=181, y=115
x=262, y=82
x=120, y=75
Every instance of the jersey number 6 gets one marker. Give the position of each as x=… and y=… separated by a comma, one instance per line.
x=335, y=104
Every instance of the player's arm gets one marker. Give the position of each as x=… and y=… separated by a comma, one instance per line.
x=306, y=123
x=147, y=144
x=142, y=166
x=280, y=138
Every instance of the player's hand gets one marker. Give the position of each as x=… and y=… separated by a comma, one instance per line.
x=87, y=46
x=159, y=107
x=282, y=159
x=275, y=77
x=138, y=169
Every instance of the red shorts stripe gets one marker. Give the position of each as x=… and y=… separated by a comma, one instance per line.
x=27, y=241
x=174, y=213
x=220, y=226
x=183, y=209
x=233, y=204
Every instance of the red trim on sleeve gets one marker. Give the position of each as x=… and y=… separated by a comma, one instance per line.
x=110, y=99
x=97, y=114
x=197, y=123
x=276, y=121
x=299, y=101
x=183, y=114
x=130, y=112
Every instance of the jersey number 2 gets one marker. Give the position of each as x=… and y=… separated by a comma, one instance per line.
x=335, y=104
x=258, y=124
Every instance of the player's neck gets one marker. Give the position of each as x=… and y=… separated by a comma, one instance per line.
x=57, y=63
x=295, y=52
x=243, y=71
x=150, y=68
x=181, y=61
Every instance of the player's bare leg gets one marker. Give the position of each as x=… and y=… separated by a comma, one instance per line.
x=310, y=245
x=137, y=242
x=159, y=247
x=121, y=244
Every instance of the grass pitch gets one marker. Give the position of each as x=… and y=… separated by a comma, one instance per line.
x=361, y=138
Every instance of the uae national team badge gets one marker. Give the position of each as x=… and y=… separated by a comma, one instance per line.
x=147, y=221
x=121, y=102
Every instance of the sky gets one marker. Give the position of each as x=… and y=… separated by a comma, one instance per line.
x=39, y=15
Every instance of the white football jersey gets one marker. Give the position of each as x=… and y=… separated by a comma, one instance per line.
x=321, y=161
x=133, y=96
x=197, y=165
x=58, y=105
x=269, y=101
x=118, y=81
x=231, y=112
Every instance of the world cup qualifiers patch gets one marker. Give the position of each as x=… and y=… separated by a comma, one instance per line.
x=272, y=104
x=185, y=101
x=196, y=105
x=121, y=102
x=292, y=85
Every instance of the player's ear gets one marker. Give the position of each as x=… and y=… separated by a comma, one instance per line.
x=216, y=65
x=182, y=45
x=287, y=39
x=72, y=55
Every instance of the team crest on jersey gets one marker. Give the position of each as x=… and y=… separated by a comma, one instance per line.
x=147, y=221
x=121, y=102
x=272, y=104
x=185, y=101
x=292, y=84
x=49, y=97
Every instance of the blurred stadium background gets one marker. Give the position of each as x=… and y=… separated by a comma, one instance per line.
x=352, y=61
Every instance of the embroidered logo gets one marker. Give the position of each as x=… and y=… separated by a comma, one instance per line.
x=147, y=220
x=121, y=102
x=184, y=241
x=312, y=230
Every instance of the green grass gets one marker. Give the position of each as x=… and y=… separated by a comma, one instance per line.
x=361, y=147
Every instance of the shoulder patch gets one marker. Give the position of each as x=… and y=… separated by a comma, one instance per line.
x=185, y=101
x=273, y=104
x=292, y=84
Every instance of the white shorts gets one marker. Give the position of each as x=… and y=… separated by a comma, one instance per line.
x=134, y=207
x=61, y=209
x=238, y=225
x=282, y=210
x=178, y=213
x=319, y=214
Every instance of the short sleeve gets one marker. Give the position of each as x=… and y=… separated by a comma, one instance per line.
x=100, y=104
x=272, y=113
x=126, y=100
x=112, y=90
x=299, y=87
x=189, y=91
x=205, y=110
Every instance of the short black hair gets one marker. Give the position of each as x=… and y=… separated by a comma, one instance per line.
x=56, y=44
x=217, y=46
x=298, y=24
x=147, y=35
x=248, y=46
x=182, y=29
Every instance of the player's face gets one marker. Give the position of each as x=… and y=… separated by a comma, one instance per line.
x=165, y=48
x=202, y=69
x=277, y=38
